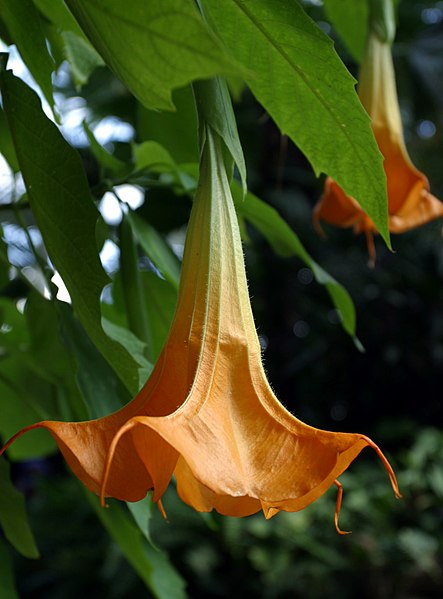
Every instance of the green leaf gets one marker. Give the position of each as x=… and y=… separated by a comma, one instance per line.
x=156, y=249
x=13, y=518
x=6, y=144
x=350, y=20
x=161, y=299
x=23, y=22
x=132, y=288
x=22, y=407
x=82, y=58
x=135, y=347
x=215, y=108
x=48, y=355
x=177, y=130
x=101, y=389
x=286, y=243
x=106, y=160
x=63, y=209
x=151, y=565
x=295, y=73
x=56, y=12
x=154, y=47
x=7, y=584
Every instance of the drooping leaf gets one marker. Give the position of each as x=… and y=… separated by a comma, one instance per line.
x=156, y=249
x=169, y=36
x=286, y=243
x=7, y=583
x=62, y=206
x=151, y=565
x=350, y=20
x=23, y=22
x=102, y=390
x=106, y=160
x=13, y=518
x=295, y=73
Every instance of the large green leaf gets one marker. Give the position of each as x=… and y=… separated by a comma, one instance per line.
x=286, y=243
x=62, y=206
x=295, y=73
x=350, y=20
x=151, y=565
x=13, y=517
x=154, y=47
x=23, y=22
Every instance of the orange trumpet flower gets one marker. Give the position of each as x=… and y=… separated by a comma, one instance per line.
x=207, y=413
x=409, y=202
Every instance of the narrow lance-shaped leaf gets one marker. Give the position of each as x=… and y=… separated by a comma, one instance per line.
x=295, y=73
x=61, y=203
x=13, y=517
x=285, y=242
x=169, y=36
x=150, y=564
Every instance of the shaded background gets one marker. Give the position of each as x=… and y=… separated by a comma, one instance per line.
x=392, y=392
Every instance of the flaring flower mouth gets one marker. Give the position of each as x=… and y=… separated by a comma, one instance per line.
x=410, y=203
x=207, y=413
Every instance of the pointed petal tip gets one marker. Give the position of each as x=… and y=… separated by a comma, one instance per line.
x=387, y=466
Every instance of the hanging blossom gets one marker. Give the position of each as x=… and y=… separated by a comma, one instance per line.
x=409, y=202
x=207, y=414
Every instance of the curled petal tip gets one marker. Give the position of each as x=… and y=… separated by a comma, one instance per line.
x=162, y=510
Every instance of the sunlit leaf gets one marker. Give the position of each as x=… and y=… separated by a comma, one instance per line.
x=295, y=73
x=62, y=206
x=82, y=58
x=13, y=518
x=169, y=36
x=23, y=23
